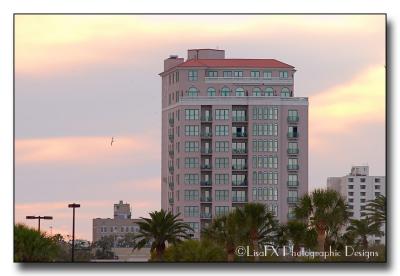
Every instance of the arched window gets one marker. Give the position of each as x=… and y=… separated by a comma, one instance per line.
x=239, y=91
x=225, y=91
x=256, y=91
x=211, y=92
x=285, y=92
x=269, y=91
x=193, y=92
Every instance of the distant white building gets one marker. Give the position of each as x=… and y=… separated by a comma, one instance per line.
x=358, y=188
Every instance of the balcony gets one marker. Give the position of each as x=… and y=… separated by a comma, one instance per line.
x=293, y=135
x=206, y=135
x=205, y=215
x=205, y=183
x=239, y=151
x=239, y=167
x=206, y=118
x=205, y=167
x=293, y=119
x=171, y=137
x=293, y=151
x=171, y=169
x=293, y=183
x=171, y=200
x=206, y=151
x=171, y=152
x=171, y=121
x=171, y=185
x=239, y=135
x=205, y=199
x=239, y=199
x=239, y=183
x=292, y=199
x=292, y=167
x=239, y=119
x=249, y=80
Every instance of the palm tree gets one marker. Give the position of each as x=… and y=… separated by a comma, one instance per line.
x=162, y=227
x=32, y=246
x=324, y=210
x=377, y=209
x=195, y=251
x=361, y=229
x=258, y=223
x=300, y=234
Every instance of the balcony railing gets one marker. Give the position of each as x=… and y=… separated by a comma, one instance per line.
x=206, y=183
x=205, y=199
x=206, y=134
x=239, y=167
x=206, y=118
x=239, y=199
x=171, y=137
x=171, y=200
x=239, y=151
x=239, y=183
x=239, y=119
x=205, y=215
x=171, y=185
x=171, y=152
x=239, y=134
x=293, y=167
x=293, y=119
x=292, y=199
x=206, y=167
x=293, y=135
x=206, y=151
x=293, y=183
x=171, y=169
x=171, y=121
x=258, y=80
x=292, y=151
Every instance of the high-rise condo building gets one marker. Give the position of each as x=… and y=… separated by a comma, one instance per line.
x=358, y=188
x=232, y=133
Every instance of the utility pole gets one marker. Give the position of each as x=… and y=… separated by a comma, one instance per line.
x=73, y=206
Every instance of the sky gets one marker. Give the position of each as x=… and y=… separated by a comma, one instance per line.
x=79, y=80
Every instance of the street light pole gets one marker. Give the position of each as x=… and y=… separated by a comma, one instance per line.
x=73, y=206
x=39, y=218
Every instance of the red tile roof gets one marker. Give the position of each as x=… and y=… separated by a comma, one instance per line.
x=244, y=63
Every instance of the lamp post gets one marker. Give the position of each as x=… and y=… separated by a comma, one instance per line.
x=39, y=218
x=73, y=206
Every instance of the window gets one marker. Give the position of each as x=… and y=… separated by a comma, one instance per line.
x=351, y=179
x=273, y=209
x=239, y=92
x=191, y=162
x=293, y=164
x=256, y=91
x=222, y=114
x=191, y=146
x=221, y=195
x=238, y=74
x=191, y=211
x=285, y=92
x=192, y=179
x=193, y=92
x=225, y=91
x=221, y=163
x=239, y=163
x=191, y=114
x=191, y=130
x=221, y=130
x=239, y=115
x=351, y=187
x=377, y=193
x=238, y=179
x=351, y=193
x=227, y=74
x=293, y=115
x=377, y=180
x=269, y=91
x=191, y=195
x=212, y=73
x=221, y=146
x=362, y=180
x=283, y=75
x=377, y=187
x=194, y=226
x=239, y=147
x=211, y=92
x=292, y=132
x=293, y=180
x=221, y=210
x=351, y=200
x=221, y=178
x=192, y=74
x=362, y=187
x=255, y=74
x=362, y=193
x=239, y=196
x=292, y=195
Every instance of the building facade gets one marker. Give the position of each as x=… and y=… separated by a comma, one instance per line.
x=232, y=133
x=358, y=188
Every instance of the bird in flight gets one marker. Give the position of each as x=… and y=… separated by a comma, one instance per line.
x=112, y=140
